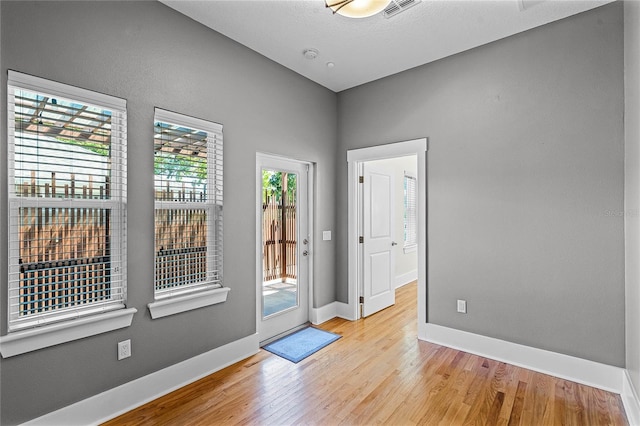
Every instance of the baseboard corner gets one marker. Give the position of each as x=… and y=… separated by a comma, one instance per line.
x=323, y=314
x=630, y=400
x=345, y=311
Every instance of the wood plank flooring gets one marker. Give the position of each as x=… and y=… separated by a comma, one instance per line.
x=380, y=373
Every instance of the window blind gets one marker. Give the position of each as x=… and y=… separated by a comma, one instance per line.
x=410, y=215
x=188, y=171
x=67, y=201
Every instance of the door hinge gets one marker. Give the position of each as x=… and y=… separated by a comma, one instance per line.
x=361, y=179
x=361, y=240
x=361, y=299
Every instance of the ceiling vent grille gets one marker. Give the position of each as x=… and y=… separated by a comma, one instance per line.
x=397, y=6
x=526, y=4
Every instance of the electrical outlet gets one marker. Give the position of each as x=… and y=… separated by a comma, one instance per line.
x=462, y=306
x=124, y=349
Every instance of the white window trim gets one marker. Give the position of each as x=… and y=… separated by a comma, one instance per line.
x=410, y=248
x=198, y=296
x=21, y=342
x=187, y=121
x=187, y=302
x=37, y=84
x=100, y=321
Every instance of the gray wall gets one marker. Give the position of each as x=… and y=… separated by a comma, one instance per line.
x=632, y=187
x=525, y=179
x=524, y=182
x=152, y=56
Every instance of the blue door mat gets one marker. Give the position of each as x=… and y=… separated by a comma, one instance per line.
x=299, y=345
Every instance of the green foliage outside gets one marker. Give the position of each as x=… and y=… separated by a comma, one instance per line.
x=96, y=147
x=272, y=183
x=178, y=167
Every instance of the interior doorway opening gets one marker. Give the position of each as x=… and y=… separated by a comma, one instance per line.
x=356, y=159
x=391, y=209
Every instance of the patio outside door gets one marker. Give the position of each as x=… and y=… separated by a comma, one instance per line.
x=284, y=245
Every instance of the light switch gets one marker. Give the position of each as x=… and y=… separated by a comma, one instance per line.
x=326, y=235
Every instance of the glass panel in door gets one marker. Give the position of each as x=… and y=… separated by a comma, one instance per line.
x=279, y=240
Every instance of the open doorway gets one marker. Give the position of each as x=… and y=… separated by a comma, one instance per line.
x=357, y=160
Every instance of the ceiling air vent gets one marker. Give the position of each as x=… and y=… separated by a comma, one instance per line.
x=397, y=6
x=526, y=4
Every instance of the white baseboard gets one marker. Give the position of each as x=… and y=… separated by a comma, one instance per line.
x=630, y=400
x=330, y=311
x=567, y=367
x=345, y=311
x=109, y=404
x=407, y=278
x=323, y=314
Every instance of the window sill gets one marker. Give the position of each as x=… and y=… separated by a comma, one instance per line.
x=21, y=342
x=410, y=249
x=188, y=302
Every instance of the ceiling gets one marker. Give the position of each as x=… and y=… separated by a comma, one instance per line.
x=363, y=50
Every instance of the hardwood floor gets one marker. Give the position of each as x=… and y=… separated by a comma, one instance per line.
x=380, y=373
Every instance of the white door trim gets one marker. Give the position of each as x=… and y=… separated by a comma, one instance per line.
x=355, y=157
x=258, y=245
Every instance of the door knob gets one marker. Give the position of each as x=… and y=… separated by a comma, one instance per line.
x=393, y=243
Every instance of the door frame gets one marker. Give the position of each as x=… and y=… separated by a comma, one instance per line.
x=258, y=227
x=355, y=158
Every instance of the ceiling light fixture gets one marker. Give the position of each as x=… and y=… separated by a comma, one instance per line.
x=356, y=8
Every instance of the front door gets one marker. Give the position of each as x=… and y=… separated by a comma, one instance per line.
x=377, y=253
x=284, y=245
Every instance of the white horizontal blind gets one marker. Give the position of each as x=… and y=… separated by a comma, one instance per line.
x=410, y=215
x=188, y=208
x=67, y=202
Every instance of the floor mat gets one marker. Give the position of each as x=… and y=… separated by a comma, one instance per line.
x=299, y=345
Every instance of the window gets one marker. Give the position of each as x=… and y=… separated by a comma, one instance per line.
x=188, y=209
x=67, y=202
x=410, y=214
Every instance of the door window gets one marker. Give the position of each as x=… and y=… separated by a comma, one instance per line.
x=280, y=242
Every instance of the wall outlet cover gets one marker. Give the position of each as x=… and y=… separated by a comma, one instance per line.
x=124, y=349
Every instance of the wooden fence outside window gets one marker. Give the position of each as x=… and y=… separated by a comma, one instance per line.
x=65, y=257
x=65, y=252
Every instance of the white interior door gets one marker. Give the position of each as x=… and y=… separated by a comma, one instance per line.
x=378, y=232
x=283, y=245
